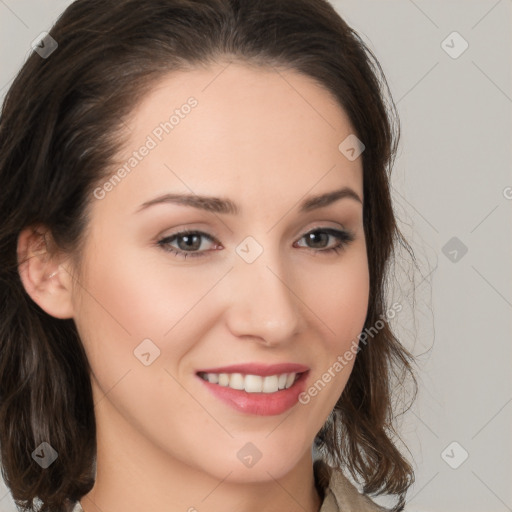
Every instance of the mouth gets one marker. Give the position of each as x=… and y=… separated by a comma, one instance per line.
x=252, y=383
x=256, y=389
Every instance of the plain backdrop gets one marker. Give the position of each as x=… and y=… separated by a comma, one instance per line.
x=448, y=64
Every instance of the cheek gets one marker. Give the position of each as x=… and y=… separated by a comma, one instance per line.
x=338, y=296
x=121, y=306
x=141, y=298
x=127, y=297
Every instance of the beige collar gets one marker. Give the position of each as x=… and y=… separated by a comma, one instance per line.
x=338, y=493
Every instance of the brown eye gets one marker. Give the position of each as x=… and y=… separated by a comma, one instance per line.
x=188, y=243
x=318, y=239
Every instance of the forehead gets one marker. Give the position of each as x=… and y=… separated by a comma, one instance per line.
x=242, y=95
x=264, y=130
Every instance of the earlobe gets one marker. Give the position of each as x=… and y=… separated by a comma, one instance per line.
x=43, y=273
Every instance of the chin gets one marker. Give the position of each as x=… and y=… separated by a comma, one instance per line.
x=252, y=464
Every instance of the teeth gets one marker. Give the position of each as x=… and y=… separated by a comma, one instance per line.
x=213, y=378
x=236, y=381
x=289, y=380
x=270, y=384
x=252, y=383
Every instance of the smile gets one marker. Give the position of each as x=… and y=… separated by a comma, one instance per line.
x=252, y=383
x=256, y=388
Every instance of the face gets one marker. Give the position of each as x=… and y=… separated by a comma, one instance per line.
x=266, y=289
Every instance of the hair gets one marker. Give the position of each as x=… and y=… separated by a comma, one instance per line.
x=61, y=126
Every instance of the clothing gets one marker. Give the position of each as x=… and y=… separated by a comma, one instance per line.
x=337, y=492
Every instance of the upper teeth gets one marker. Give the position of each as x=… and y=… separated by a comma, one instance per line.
x=251, y=383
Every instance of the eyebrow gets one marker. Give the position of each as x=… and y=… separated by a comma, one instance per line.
x=226, y=206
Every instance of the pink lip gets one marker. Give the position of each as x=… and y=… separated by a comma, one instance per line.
x=261, y=404
x=262, y=370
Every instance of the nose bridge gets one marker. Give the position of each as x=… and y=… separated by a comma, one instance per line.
x=263, y=303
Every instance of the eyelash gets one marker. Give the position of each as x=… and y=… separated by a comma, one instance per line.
x=344, y=239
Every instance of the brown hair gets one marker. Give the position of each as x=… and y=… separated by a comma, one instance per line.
x=60, y=129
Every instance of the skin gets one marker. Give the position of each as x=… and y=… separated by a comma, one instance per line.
x=266, y=140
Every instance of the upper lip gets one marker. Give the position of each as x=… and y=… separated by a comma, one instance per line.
x=258, y=369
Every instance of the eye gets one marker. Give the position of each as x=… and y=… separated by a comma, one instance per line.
x=189, y=243
x=319, y=238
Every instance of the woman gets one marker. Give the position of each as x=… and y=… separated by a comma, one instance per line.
x=197, y=227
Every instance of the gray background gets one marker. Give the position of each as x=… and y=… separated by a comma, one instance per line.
x=450, y=180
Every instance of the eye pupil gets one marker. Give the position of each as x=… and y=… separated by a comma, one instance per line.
x=189, y=241
x=318, y=235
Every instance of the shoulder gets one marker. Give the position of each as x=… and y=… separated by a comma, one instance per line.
x=339, y=494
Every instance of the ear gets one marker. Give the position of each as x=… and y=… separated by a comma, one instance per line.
x=44, y=273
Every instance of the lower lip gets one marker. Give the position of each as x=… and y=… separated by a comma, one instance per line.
x=261, y=404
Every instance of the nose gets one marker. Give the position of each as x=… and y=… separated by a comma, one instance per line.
x=263, y=303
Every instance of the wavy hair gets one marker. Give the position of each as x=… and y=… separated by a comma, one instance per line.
x=60, y=129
